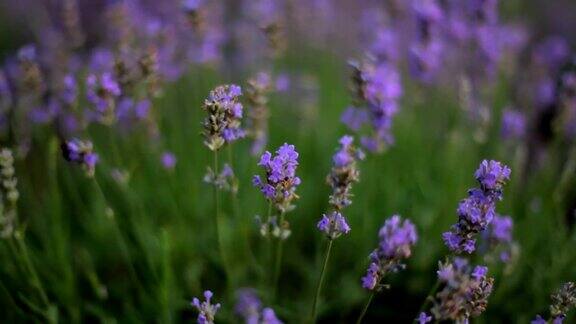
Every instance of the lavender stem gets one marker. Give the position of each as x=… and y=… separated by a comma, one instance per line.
x=365, y=307
x=320, y=281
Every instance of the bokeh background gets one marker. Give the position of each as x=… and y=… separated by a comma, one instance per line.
x=143, y=249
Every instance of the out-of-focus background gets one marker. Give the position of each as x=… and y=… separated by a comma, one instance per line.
x=480, y=80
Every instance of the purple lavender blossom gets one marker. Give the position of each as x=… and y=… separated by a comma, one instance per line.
x=333, y=225
x=222, y=125
x=492, y=175
x=101, y=92
x=344, y=173
x=396, y=240
x=207, y=311
x=377, y=90
x=81, y=153
x=281, y=181
x=513, y=124
x=476, y=212
x=465, y=291
x=424, y=318
x=168, y=160
x=249, y=307
x=538, y=320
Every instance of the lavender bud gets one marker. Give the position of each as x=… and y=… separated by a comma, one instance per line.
x=9, y=193
x=81, y=153
x=397, y=237
x=333, y=225
x=207, y=311
x=279, y=185
x=222, y=125
x=465, y=291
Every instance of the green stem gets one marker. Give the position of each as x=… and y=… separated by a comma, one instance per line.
x=32, y=270
x=244, y=229
x=320, y=281
x=219, y=235
x=119, y=236
x=429, y=297
x=278, y=262
x=365, y=308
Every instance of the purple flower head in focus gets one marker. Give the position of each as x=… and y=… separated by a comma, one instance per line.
x=333, y=225
x=81, y=153
x=206, y=310
x=223, y=123
x=280, y=182
x=477, y=211
x=492, y=175
x=397, y=237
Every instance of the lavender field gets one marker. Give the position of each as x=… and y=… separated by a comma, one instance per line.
x=287, y=161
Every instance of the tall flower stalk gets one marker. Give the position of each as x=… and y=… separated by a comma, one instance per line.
x=461, y=297
x=279, y=187
x=10, y=231
x=333, y=224
x=221, y=126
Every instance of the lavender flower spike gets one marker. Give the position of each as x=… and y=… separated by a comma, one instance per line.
x=477, y=211
x=397, y=237
x=81, y=153
x=279, y=185
x=207, y=310
x=465, y=291
x=333, y=225
x=222, y=125
x=344, y=173
x=424, y=318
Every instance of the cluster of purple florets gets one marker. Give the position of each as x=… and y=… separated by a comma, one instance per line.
x=397, y=237
x=377, y=87
x=280, y=182
x=223, y=123
x=465, y=291
x=101, y=92
x=477, y=211
x=343, y=174
x=82, y=153
x=206, y=310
